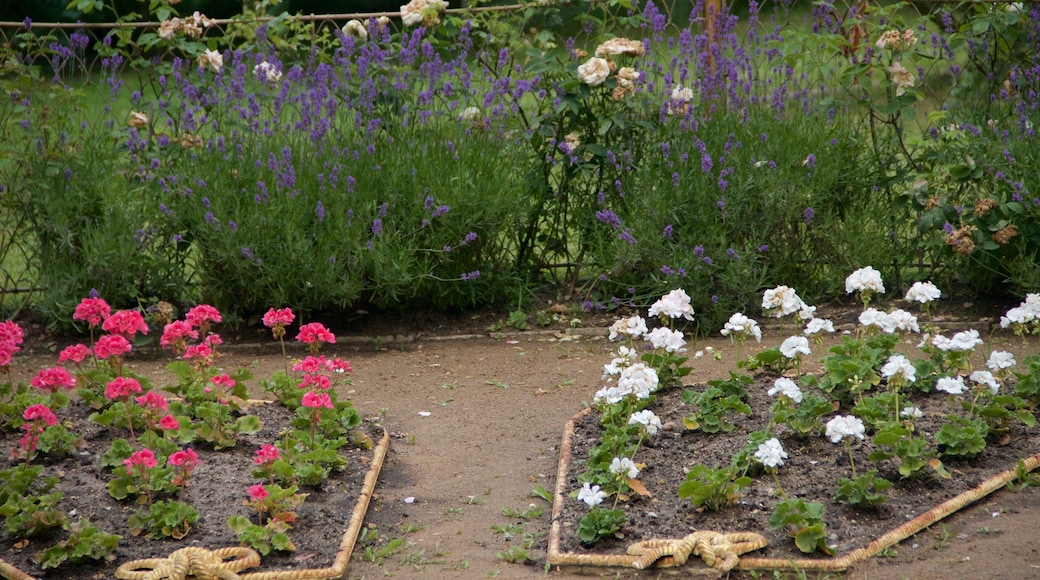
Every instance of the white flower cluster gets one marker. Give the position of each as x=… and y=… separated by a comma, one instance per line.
x=650, y=421
x=864, y=280
x=844, y=426
x=782, y=301
x=624, y=465
x=741, y=327
x=212, y=59
x=637, y=379
x=591, y=495
x=1026, y=313
x=190, y=26
x=793, y=346
x=268, y=72
x=675, y=304
x=963, y=341
x=594, y=72
x=923, y=292
x=422, y=12
x=771, y=453
x=786, y=387
x=899, y=366
x=890, y=322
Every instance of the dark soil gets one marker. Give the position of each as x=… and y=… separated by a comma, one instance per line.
x=217, y=490
x=811, y=472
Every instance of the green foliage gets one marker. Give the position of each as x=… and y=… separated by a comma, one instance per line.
x=962, y=437
x=912, y=451
x=863, y=491
x=599, y=524
x=804, y=521
x=713, y=488
x=265, y=538
x=712, y=407
x=85, y=542
x=805, y=418
x=163, y=519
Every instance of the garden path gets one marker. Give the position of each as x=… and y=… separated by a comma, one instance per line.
x=496, y=409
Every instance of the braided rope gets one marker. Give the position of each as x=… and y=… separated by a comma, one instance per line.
x=200, y=563
x=718, y=550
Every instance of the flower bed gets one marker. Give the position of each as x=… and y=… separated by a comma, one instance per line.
x=99, y=456
x=794, y=468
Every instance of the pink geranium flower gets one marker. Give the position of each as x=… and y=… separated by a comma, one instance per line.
x=277, y=320
x=39, y=413
x=153, y=400
x=186, y=457
x=122, y=388
x=266, y=454
x=125, y=323
x=213, y=340
x=223, y=381
x=11, y=332
x=202, y=316
x=143, y=459
x=313, y=381
x=53, y=379
x=257, y=492
x=176, y=334
x=315, y=332
x=315, y=400
x=7, y=350
x=111, y=345
x=169, y=423
x=93, y=310
x=75, y=353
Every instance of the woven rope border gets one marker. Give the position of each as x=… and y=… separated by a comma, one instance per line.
x=338, y=569
x=570, y=559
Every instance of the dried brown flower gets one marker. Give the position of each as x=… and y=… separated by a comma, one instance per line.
x=1004, y=235
x=983, y=206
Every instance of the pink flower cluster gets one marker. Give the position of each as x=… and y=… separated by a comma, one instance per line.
x=277, y=320
x=179, y=334
x=313, y=334
x=185, y=461
x=38, y=417
x=317, y=380
x=122, y=326
x=10, y=337
x=54, y=379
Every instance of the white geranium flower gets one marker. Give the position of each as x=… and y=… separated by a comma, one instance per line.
x=646, y=418
x=818, y=325
x=633, y=326
x=844, y=426
x=898, y=364
x=624, y=465
x=771, y=453
x=923, y=292
x=639, y=380
x=941, y=342
x=625, y=357
x=591, y=495
x=903, y=320
x=1023, y=314
x=781, y=301
x=609, y=395
x=911, y=412
x=965, y=340
x=952, y=385
x=742, y=325
x=875, y=317
x=807, y=312
x=594, y=71
x=1000, y=360
x=668, y=339
x=986, y=379
x=674, y=304
x=792, y=346
x=864, y=280
x=786, y=387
